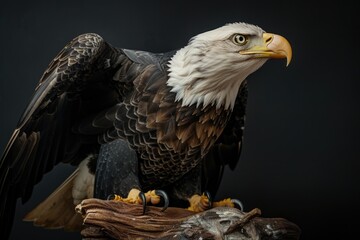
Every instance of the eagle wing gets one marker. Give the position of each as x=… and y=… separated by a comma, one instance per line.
x=227, y=148
x=77, y=84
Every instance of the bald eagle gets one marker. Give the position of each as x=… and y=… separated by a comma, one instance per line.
x=134, y=120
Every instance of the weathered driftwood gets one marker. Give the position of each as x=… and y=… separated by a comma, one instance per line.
x=117, y=220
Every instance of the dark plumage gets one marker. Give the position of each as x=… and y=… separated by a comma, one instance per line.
x=94, y=97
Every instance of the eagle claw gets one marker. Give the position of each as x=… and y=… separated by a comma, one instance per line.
x=228, y=202
x=200, y=203
x=136, y=196
x=143, y=200
x=238, y=203
x=111, y=197
x=208, y=195
x=154, y=197
x=163, y=194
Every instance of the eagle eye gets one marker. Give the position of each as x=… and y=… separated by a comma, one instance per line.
x=239, y=39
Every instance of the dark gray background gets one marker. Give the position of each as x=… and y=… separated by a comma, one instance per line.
x=301, y=154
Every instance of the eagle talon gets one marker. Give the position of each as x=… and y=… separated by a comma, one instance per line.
x=111, y=197
x=153, y=197
x=136, y=196
x=228, y=202
x=200, y=203
x=163, y=194
x=143, y=200
x=208, y=195
x=238, y=203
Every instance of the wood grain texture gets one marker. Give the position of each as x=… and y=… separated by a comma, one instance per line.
x=117, y=220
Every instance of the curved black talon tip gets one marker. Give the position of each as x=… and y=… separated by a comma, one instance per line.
x=163, y=194
x=238, y=203
x=143, y=199
x=208, y=195
x=111, y=197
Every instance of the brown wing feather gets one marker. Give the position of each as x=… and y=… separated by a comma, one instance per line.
x=44, y=135
x=159, y=128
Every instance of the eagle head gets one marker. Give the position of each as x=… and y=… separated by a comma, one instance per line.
x=211, y=68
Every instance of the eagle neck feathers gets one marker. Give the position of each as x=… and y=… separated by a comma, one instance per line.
x=199, y=77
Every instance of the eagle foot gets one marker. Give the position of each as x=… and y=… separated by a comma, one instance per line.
x=204, y=202
x=228, y=202
x=136, y=196
x=200, y=203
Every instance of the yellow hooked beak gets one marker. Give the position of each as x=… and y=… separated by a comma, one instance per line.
x=273, y=46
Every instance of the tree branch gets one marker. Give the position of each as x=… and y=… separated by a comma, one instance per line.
x=105, y=219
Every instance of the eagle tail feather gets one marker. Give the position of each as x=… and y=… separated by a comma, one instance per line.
x=57, y=210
